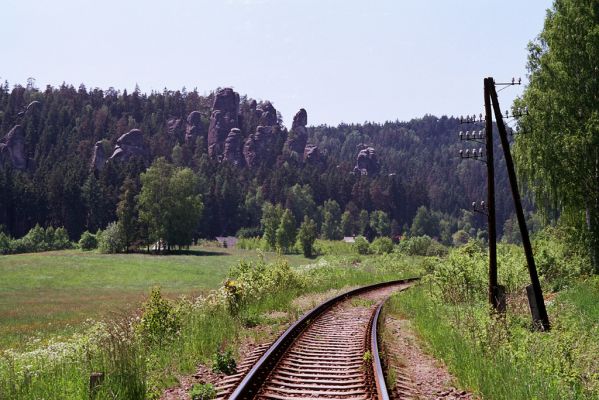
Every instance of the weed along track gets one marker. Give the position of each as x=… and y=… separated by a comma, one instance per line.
x=329, y=353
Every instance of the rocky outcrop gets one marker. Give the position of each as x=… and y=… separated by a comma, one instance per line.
x=268, y=114
x=12, y=148
x=312, y=154
x=233, y=144
x=259, y=147
x=99, y=157
x=224, y=117
x=172, y=126
x=128, y=145
x=194, y=127
x=366, y=161
x=298, y=136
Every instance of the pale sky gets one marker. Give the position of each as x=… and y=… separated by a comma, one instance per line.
x=342, y=60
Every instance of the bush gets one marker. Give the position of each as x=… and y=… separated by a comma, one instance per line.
x=88, y=241
x=5, y=242
x=202, y=391
x=252, y=243
x=422, y=246
x=247, y=233
x=110, y=240
x=36, y=240
x=361, y=245
x=223, y=362
x=382, y=245
x=160, y=322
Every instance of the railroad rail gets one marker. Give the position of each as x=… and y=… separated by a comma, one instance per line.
x=331, y=352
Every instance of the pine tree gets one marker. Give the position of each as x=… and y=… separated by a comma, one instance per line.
x=126, y=212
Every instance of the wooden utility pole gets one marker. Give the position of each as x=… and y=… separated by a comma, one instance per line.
x=494, y=295
x=537, y=303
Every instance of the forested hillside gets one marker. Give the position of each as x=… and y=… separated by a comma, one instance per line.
x=66, y=153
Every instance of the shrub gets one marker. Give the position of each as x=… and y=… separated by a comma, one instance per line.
x=361, y=245
x=202, y=391
x=160, y=321
x=382, y=245
x=251, y=243
x=110, y=240
x=422, y=246
x=223, y=362
x=88, y=241
x=61, y=239
x=5, y=241
x=40, y=239
x=246, y=233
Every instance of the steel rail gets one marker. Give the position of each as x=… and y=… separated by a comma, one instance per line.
x=249, y=387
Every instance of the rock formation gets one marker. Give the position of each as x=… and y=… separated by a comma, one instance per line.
x=259, y=146
x=312, y=154
x=12, y=147
x=99, y=157
x=172, y=126
x=224, y=117
x=194, y=127
x=366, y=161
x=128, y=145
x=233, y=144
x=298, y=136
x=268, y=114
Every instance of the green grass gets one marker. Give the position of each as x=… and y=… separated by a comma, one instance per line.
x=45, y=294
x=135, y=370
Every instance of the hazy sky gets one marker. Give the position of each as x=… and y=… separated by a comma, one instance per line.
x=342, y=60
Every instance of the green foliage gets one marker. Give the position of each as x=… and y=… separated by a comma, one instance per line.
x=306, y=236
x=382, y=245
x=251, y=243
x=126, y=212
x=5, y=243
x=331, y=220
x=379, y=221
x=110, y=240
x=36, y=240
x=223, y=362
x=270, y=222
x=422, y=246
x=557, y=157
x=88, y=241
x=425, y=223
x=285, y=234
x=247, y=233
x=160, y=322
x=361, y=245
x=202, y=391
x=460, y=238
x=170, y=203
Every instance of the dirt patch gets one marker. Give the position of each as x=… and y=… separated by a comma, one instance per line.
x=416, y=375
x=309, y=301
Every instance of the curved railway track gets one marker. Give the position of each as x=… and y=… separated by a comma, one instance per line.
x=329, y=353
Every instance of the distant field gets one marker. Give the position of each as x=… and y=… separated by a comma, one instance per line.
x=54, y=292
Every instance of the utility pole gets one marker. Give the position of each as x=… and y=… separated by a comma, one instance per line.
x=534, y=291
x=494, y=292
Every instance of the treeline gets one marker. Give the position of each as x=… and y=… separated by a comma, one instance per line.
x=418, y=159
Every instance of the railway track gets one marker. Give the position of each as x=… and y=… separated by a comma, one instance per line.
x=329, y=353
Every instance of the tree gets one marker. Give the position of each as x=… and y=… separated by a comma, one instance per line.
x=379, y=221
x=285, y=235
x=300, y=202
x=126, y=212
x=363, y=222
x=170, y=203
x=331, y=220
x=559, y=156
x=307, y=236
x=347, y=224
x=425, y=223
x=271, y=219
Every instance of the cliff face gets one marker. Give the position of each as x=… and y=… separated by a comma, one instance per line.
x=224, y=117
x=366, y=161
x=12, y=148
x=298, y=136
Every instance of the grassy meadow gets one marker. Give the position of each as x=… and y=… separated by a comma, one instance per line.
x=55, y=292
